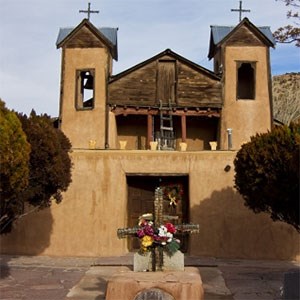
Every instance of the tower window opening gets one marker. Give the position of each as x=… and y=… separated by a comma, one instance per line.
x=246, y=81
x=85, y=89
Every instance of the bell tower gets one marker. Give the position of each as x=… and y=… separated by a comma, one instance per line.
x=241, y=57
x=86, y=65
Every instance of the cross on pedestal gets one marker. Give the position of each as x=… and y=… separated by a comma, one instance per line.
x=158, y=207
x=89, y=11
x=240, y=10
x=159, y=218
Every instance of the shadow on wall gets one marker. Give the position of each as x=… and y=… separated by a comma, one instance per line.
x=30, y=236
x=229, y=229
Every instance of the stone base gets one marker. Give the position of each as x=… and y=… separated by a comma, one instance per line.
x=180, y=285
x=143, y=263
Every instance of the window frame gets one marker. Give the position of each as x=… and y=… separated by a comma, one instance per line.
x=239, y=65
x=79, y=89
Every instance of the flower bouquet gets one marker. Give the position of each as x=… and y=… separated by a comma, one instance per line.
x=162, y=237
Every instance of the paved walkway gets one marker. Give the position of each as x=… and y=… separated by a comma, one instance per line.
x=57, y=278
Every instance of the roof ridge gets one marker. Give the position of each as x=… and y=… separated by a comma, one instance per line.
x=73, y=27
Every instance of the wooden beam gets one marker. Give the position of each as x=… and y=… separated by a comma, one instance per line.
x=183, y=128
x=149, y=130
x=120, y=110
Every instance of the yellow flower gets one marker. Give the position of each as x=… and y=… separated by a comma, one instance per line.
x=147, y=241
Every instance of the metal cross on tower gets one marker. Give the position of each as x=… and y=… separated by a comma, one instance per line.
x=89, y=11
x=240, y=10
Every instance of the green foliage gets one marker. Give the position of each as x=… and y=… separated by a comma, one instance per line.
x=267, y=173
x=14, y=171
x=172, y=248
x=35, y=164
x=50, y=164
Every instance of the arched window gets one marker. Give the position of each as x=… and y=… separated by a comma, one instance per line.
x=246, y=81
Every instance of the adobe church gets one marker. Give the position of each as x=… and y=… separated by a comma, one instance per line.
x=164, y=122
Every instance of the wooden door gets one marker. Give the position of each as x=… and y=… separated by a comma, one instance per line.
x=141, y=198
x=166, y=81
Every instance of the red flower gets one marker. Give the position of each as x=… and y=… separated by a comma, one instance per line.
x=170, y=227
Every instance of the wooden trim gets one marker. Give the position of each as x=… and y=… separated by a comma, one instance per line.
x=125, y=110
x=270, y=86
x=158, y=174
x=79, y=97
x=149, y=130
x=253, y=65
x=172, y=54
x=62, y=86
x=92, y=29
x=251, y=27
x=183, y=128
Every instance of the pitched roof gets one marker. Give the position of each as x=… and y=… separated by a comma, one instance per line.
x=109, y=34
x=161, y=54
x=220, y=33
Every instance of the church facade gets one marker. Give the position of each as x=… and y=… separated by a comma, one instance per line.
x=165, y=122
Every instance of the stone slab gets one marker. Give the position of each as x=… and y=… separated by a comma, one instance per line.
x=291, y=285
x=174, y=263
x=180, y=285
x=142, y=263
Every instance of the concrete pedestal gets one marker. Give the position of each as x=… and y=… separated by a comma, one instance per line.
x=142, y=263
x=180, y=285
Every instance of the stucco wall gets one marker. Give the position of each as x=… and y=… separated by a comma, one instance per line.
x=84, y=125
x=86, y=221
x=245, y=117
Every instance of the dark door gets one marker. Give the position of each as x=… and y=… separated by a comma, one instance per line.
x=141, y=198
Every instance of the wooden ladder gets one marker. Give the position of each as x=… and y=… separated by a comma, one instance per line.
x=166, y=126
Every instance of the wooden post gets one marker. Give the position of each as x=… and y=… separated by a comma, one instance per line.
x=183, y=128
x=157, y=253
x=149, y=130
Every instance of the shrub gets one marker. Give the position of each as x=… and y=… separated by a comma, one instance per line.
x=50, y=164
x=14, y=171
x=267, y=173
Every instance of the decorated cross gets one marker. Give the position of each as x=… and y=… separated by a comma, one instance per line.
x=156, y=232
x=240, y=10
x=89, y=11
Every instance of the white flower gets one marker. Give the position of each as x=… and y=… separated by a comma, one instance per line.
x=169, y=236
x=162, y=231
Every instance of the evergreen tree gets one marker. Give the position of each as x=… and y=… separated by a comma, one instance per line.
x=50, y=164
x=267, y=173
x=14, y=170
x=35, y=165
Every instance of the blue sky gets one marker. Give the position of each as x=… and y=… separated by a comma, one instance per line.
x=30, y=62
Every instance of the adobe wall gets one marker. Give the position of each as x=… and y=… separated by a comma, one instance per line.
x=84, y=125
x=86, y=221
x=245, y=117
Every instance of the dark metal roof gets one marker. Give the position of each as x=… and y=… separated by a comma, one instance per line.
x=219, y=35
x=220, y=32
x=108, y=32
